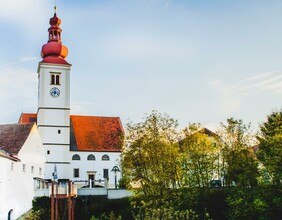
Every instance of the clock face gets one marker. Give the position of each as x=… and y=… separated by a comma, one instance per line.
x=55, y=92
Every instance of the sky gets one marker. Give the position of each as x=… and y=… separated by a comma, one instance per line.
x=199, y=61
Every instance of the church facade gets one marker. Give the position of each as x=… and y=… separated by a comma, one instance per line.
x=83, y=149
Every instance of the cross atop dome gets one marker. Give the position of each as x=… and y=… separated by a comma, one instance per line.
x=55, y=7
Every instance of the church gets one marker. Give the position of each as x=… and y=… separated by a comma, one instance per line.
x=52, y=144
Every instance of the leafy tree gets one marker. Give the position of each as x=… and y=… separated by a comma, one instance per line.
x=270, y=146
x=198, y=156
x=240, y=164
x=150, y=158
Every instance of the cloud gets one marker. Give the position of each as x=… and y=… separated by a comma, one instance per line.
x=264, y=82
x=270, y=82
x=233, y=96
x=21, y=60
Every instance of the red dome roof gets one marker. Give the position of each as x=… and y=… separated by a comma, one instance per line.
x=54, y=51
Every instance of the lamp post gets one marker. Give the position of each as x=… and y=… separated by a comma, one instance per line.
x=115, y=169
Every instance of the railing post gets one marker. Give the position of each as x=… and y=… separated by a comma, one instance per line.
x=69, y=201
x=52, y=201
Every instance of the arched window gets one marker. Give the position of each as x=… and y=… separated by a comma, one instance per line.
x=91, y=157
x=76, y=157
x=52, y=79
x=57, y=80
x=105, y=157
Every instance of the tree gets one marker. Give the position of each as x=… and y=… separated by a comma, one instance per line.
x=240, y=164
x=270, y=146
x=199, y=155
x=150, y=158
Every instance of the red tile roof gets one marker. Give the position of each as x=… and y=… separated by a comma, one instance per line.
x=13, y=137
x=95, y=133
x=91, y=133
x=27, y=118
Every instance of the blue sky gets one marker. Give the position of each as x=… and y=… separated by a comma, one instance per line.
x=198, y=61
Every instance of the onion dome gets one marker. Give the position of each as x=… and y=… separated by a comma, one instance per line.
x=54, y=51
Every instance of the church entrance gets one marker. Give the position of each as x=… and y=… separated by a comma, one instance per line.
x=91, y=179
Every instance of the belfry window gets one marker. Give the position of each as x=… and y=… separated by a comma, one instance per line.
x=55, y=34
x=55, y=78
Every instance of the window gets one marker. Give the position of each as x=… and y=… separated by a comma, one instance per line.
x=106, y=173
x=40, y=170
x=59, y=131
x=32, y=169
x=24, y=167
x=105, y=157
x=76, y=157
x=75, y=173
x=91, y=157
x=55, y=78
x=12, y=166
x=48, y=152
x=32, y=119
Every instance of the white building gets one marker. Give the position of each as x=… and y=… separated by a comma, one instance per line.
x=55, y=145
x=21, y=160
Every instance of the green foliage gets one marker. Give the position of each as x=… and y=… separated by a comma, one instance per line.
x=270, y=147
x=198, y=157
x=159, y=208
x=104, y=216
x=150, y=158
x=240, y=164
x=100, y=206
x=263, y=202
x=41, y=207
x=243, y=205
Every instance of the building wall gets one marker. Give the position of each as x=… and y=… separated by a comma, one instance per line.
x=16, y=179
x=97, y=166
x=44, y=99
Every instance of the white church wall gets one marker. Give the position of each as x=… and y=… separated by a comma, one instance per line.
x=45, y=100
x=58, y=135
x=55, y=117
x=62, y=170
x=33, y=151
x=98, y=165
x=57, y=153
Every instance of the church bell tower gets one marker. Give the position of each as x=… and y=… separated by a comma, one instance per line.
x=53, y=113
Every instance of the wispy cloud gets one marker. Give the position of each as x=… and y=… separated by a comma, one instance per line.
x=264, y=82
x=232, y=95
x=21, y=60
x=270, y=81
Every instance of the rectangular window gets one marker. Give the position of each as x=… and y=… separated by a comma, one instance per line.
x=12, y=166
x=24, y=167
x=40, y=170
x=106, y=174
x=75, y=173
x=48, y=152
x=32, y=169
x=59, y=131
